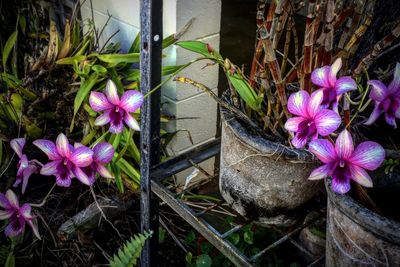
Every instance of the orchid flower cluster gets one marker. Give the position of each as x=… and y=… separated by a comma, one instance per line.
x=317, y=116
x=67, y=161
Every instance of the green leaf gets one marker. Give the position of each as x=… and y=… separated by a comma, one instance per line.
x=169, y=70
x=161, y=234
x=99, y=69
x=168, y=41
x=234, y=238
x=8, y=47
x=133, y=75
x=190, y=237
x=248, y=237
x=117, y=174
x=203, y=261
x=135, y=47
x=10, y=262
x=189, y=257
x=70, y=60
x=119, y=58
x=200, y=48
x=84, y=90
x=128, y=169
x=245, y=91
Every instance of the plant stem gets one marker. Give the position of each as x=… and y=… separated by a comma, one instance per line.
x=45, y=198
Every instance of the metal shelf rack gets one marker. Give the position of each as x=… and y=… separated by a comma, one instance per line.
x=153, y=172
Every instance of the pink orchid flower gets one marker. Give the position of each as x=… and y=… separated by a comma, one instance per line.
x=116, y=110
x=25, y=167
x=66, y=162
x=333, y=88
x=16, y=215
x=342, y=162
x=386, y=99
x=311, y=120
x=102, y=155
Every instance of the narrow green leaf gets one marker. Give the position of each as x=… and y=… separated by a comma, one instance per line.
x=70, y=60
x=133, y=75
x=245, y=91
x=99, y=69
x=84, y=90
x=119, y=58
x=128, y=169
x=168, y=41
x=117, y=174
x=169, y=70
x=8, y=47
x=10, y=262
x=135, y=47
x=200, y=48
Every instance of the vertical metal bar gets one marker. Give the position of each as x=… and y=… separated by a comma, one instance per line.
x=150, y=70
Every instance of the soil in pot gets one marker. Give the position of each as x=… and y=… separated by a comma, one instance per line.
x=357, y=236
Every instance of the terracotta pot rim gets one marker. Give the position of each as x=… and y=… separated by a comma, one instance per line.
x=262, y=144
x=383, y=227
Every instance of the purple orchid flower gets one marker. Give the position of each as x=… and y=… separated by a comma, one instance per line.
x=312, y=120
x=387, y=99
x=16, y=215
x=342, y=162
x=116, y=110
x=25, y=167
x=66, y=161
x=102, y=155
x=333, y=88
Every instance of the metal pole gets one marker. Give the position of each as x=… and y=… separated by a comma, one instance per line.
x=150, y=70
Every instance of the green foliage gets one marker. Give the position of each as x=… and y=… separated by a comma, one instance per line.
x=8, y=47
x=4, y=252
x=390, y=164
x=128, y=255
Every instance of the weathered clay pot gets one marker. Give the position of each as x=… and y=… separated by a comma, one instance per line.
x=260, y=179
x=357, y=236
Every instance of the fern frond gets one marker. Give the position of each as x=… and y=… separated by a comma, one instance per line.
x=128, y=254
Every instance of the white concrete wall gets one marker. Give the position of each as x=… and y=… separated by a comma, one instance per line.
x=180, y=100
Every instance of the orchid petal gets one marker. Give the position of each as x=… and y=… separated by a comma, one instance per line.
x=297, y=103
x=98, y=102
x=394, y=86
x=374, y=115
x=31, y=169
x=82, y=156
x=103, y=171
x=314, y=104
x=359, y=175
x=340, y=187
x=131, y=100
x=4, y=203
x=344, y=145
x=112, y=93
x=17, y=145
x=103, y=119
x=103, y=152
x=48, y=148
x=117, y=127
x=292, y=124
x=334, y=69
x=35, y=229
x=368, y=155
x=25, y=210
x=63, y=181
x=323, y=150
x=320, y=172
x=11, y=232
x=131, y=122
x=299, y=142
x=50, y=168
x=12, y=199
x=62, y=145
x=327, y=121
x=391, y=120
x=379, y=91
x=4, y=215
x=81, y=175
x=320, y=77
x=345, y=84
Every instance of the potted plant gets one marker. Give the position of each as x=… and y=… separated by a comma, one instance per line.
x=264, y=164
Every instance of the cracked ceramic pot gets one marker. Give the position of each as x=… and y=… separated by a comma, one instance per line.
x=357, y=236
x=263, y=180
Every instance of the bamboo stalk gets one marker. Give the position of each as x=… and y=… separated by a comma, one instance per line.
x=378, y=48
